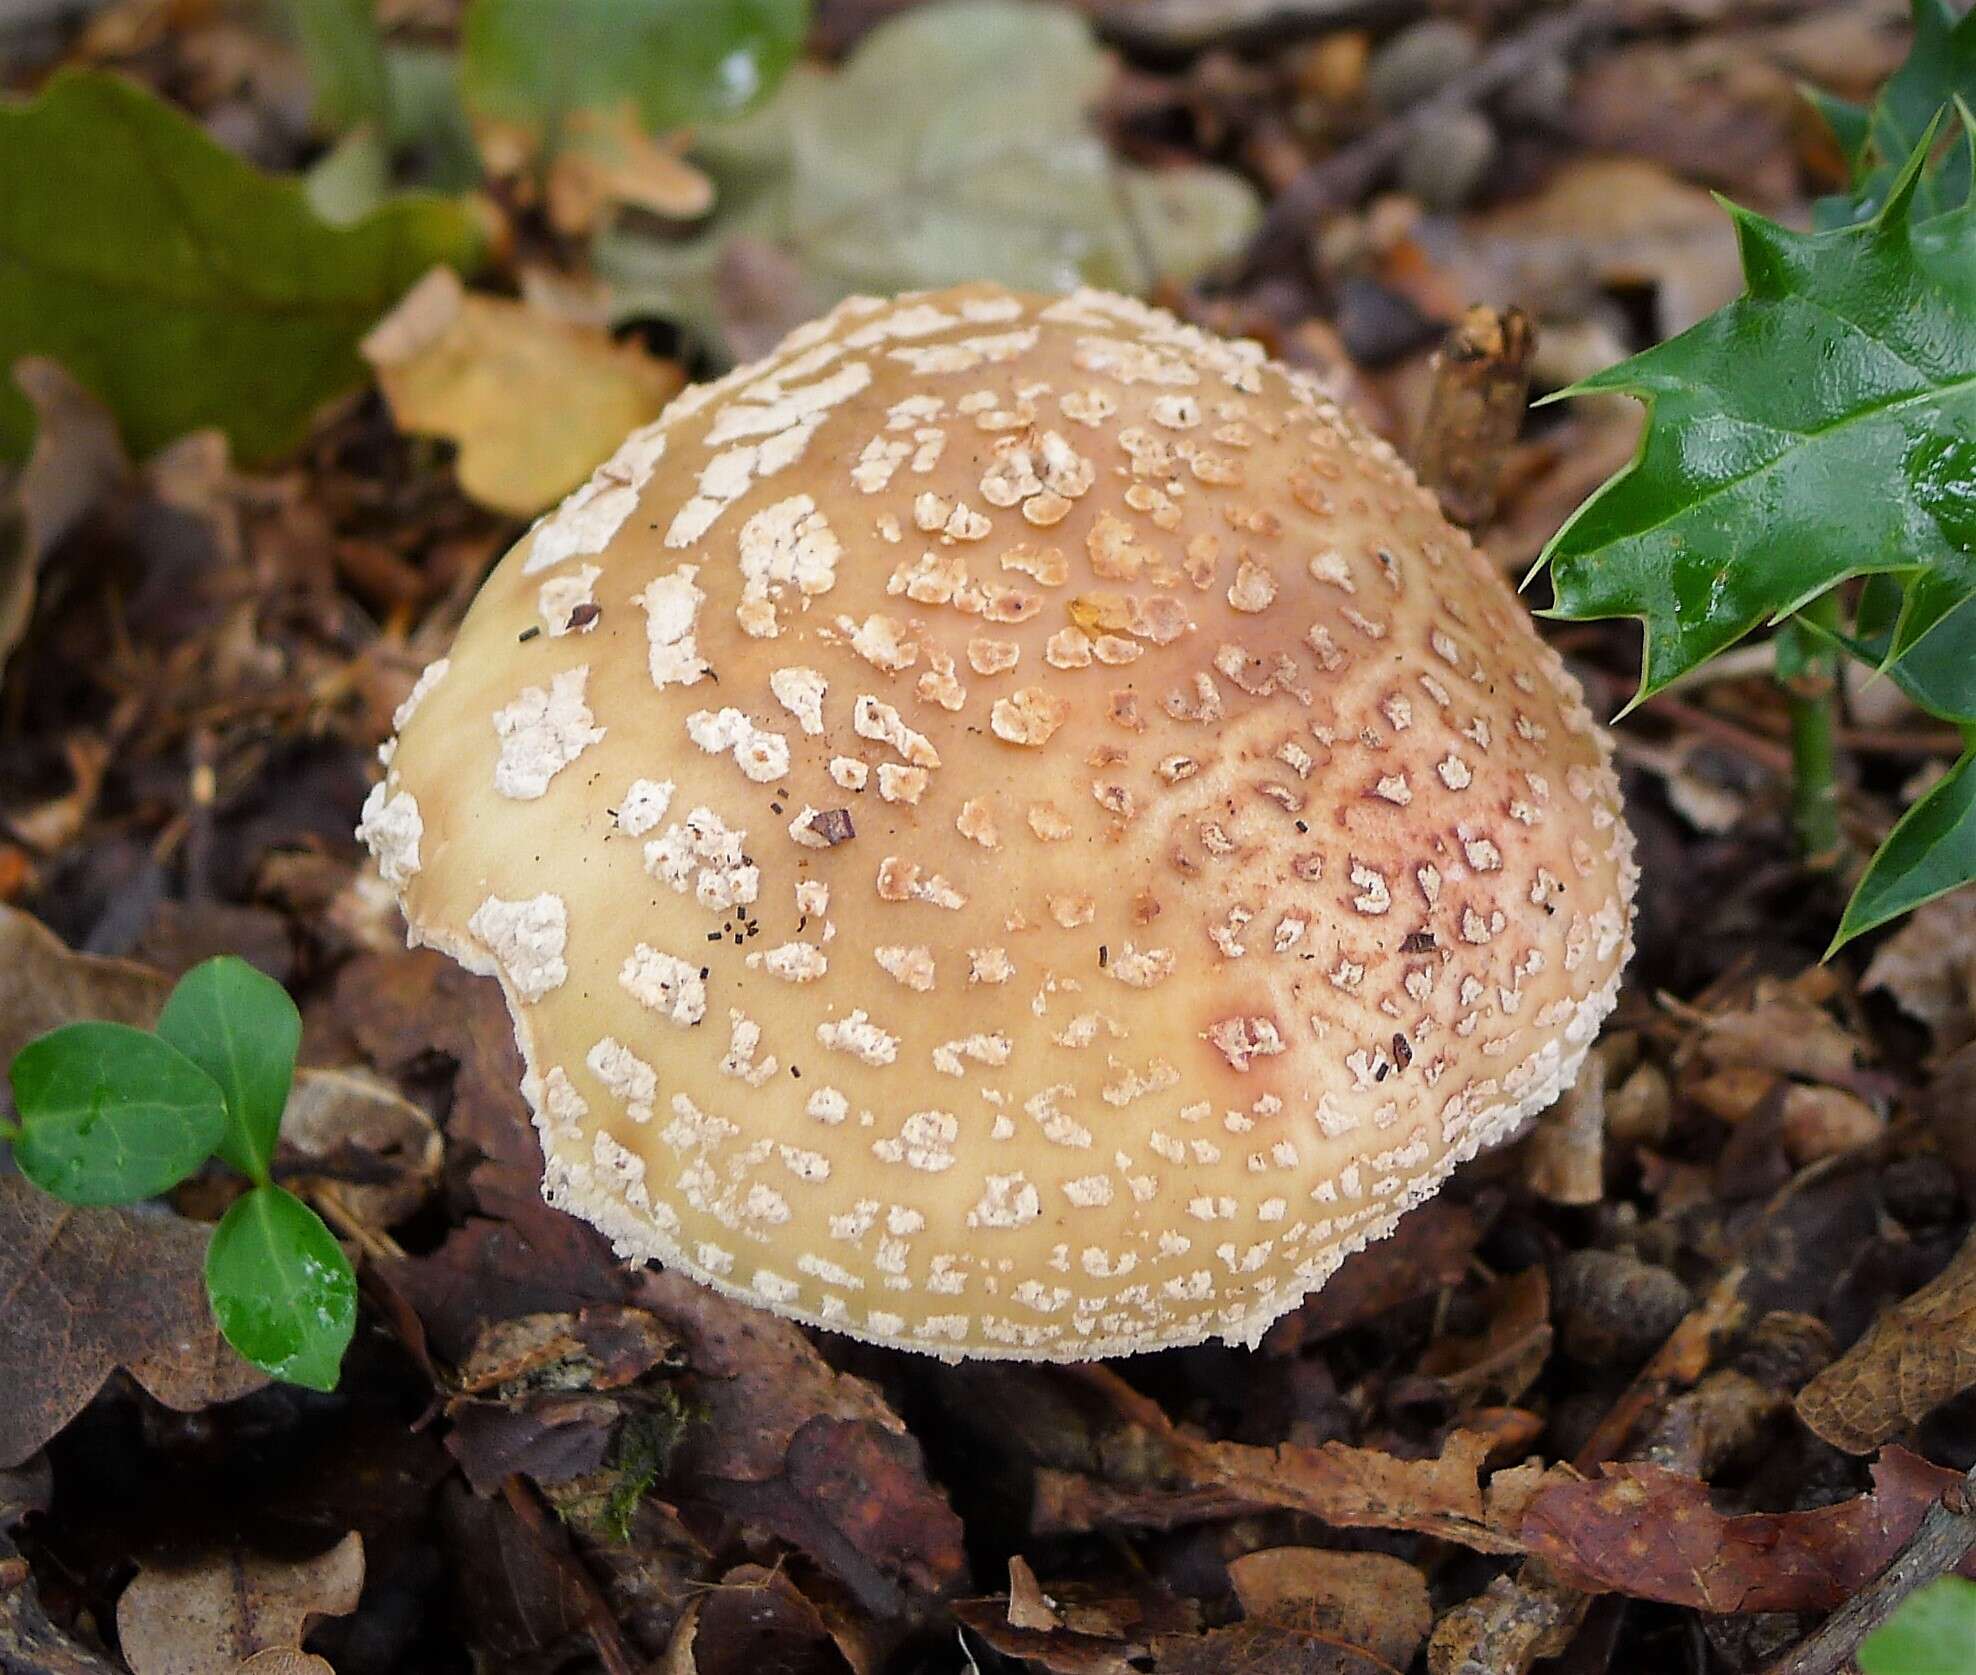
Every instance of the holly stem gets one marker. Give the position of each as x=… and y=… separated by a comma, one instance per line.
x=1809, y=668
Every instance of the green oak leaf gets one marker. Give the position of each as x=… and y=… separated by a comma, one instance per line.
x=681, y=63
x=1821, y=427
x=1878, y=139
x=281, y=1288
x=1931, y=851
x=985, y=165
x=111, y=1114
x=181, y=285
x=238, y=1026
x=1933, y=1633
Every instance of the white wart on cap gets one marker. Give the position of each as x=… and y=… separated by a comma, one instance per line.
x=1012, y=827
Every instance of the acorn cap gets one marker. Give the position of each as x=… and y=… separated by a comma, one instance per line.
x=1011, y=827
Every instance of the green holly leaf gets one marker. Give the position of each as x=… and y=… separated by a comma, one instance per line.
x=242, y=1030
x=1939, y=674
x=111, y=1114
x=281, y=1288
x=1940, y=68
x=1929, y=853
x=1933, y=1633
x=985, y=166
x=182, y=286
x=1821, y=427
x=681, y=63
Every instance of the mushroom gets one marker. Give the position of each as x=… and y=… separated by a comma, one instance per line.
x=1011, y=827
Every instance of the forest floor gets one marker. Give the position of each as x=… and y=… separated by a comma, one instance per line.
x=1611, y=1398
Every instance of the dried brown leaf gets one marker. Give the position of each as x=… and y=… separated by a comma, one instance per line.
x=43, y=985
x=1913, y=1358
x=218, y=1612
x=1651, y=1533
x=1371, y=1601
x=86, y=1291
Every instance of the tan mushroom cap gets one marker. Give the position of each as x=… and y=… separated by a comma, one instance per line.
x=1012, y=827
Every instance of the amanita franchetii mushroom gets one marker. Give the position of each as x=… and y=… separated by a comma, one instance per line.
x=1011, y=827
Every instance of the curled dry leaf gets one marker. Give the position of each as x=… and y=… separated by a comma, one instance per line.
x=91, y=1290
x=1782, y=1028
x=76, y=461
x=1503, y=1360
x=1189, y=1479
x=534, y=402
x=347, y=1120
x=1652, y=1533
x=605, y=158
x=1372, y=1601
x=1913, y=1358
x=1929, y=967
x=223, y=1610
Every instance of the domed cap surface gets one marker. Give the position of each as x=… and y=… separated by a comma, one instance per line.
x=1011, y=827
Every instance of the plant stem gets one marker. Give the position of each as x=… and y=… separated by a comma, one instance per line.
x=1809, y=669
x=9, y=1131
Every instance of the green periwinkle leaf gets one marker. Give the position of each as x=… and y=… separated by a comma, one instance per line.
x=239, y=1026
x=111, y=1114
x=281, y=1288
x=1933, y=1633
x=679, y=63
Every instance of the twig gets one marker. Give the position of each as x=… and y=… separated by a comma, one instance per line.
x=1481, y=382
x=598, y=1624
x=1178, y=28
x=1808, y=670
x=1941, y=1541
x=1349, y=173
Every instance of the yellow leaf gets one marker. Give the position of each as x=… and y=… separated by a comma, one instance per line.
x=534, y=403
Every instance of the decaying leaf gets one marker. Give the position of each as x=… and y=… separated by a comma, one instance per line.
x=752, y=1619
x=984, y=167
x=533, y=402
x=1519, y=1618
x=88, y=1291
x=1180, y=1478
x=222, y=1610
x=1652, y=1533
x=1914, y=1357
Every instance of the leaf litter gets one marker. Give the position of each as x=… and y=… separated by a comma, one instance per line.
x=1586, y=1402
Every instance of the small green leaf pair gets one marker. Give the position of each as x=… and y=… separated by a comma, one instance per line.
x=110, y=1115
